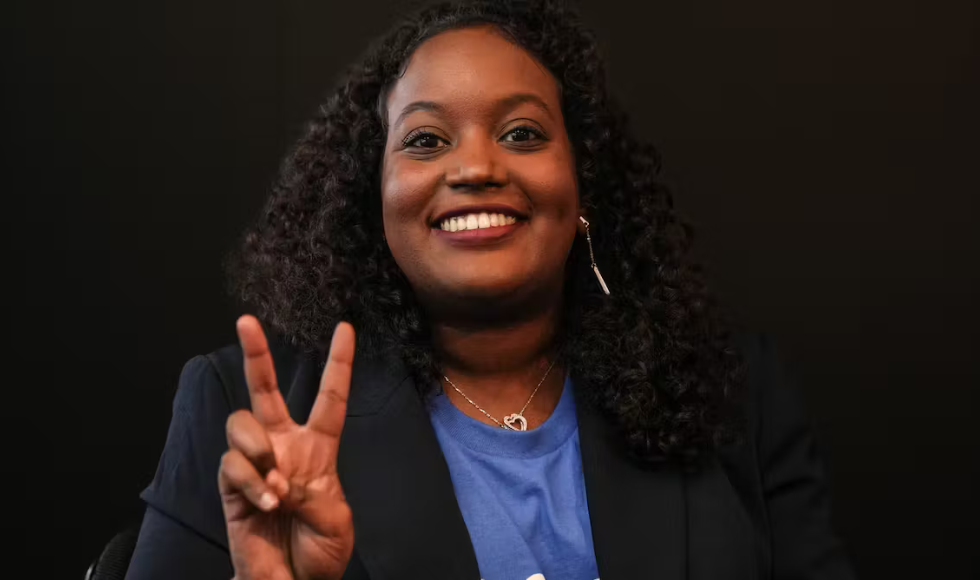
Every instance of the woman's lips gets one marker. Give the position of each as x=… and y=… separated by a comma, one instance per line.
x=478, y=237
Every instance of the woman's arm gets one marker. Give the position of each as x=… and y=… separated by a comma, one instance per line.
x=804, y=546
x=169, y=549
x=183, y=533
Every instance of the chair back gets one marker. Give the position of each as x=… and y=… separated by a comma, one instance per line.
x=113, y=562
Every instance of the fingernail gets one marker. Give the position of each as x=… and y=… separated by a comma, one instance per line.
x=267, y=501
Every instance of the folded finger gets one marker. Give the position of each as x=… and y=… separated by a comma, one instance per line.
x=247, y=435
x=237, y=475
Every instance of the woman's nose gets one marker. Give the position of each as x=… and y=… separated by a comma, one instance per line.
x=474, y=163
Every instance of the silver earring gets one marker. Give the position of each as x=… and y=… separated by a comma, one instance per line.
x=595, y=268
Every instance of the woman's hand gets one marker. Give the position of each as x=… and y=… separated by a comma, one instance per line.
x=285, y=511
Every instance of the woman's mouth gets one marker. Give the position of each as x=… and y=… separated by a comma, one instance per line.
x=477, y=229
x=474, y=221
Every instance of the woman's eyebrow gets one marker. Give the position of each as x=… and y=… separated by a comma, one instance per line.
x=502, y=105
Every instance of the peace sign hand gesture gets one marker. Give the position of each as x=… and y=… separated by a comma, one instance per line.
x=284, y=507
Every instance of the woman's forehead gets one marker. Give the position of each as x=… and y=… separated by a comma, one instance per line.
x=469, y=70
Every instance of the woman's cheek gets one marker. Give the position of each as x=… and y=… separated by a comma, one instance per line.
x=552, y=191
x=406, y=191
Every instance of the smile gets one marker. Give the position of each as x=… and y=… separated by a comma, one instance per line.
x=474, y=221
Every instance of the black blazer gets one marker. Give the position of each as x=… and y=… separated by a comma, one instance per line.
x=758, y=510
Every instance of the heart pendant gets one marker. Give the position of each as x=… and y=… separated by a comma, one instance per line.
x=517, y=418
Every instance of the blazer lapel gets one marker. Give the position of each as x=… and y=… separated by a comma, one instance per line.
x=638, y=515
x=646, y=522
x=407, y=523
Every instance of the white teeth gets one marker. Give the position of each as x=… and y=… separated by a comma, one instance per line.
x=476, y=221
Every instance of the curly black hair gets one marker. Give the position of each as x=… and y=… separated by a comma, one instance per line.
x=656, y=356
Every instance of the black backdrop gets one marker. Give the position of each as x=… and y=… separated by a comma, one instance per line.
x=827, y=151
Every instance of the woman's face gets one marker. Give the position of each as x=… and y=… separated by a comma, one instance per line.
x=478, y=186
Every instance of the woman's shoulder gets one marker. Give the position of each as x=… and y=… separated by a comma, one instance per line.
x=782, y=466
x=772, y=392
x=374, y=379
x=210, y=388
x=757, y=348
x=776, y=429
x=227, y=365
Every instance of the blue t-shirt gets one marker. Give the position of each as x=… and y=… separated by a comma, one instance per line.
x=522, y=494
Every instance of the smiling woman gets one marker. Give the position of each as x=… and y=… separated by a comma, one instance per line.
x=506, y=416
x=493, y=142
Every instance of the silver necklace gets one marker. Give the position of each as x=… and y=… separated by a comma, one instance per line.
x=515, y=418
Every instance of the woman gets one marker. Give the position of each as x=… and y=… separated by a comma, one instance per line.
x=542, y=387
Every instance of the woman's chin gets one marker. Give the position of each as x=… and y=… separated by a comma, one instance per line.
x=488, y=288
x=479, y=293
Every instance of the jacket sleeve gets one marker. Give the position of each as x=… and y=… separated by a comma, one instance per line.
x=183, y=532
x=804, y=546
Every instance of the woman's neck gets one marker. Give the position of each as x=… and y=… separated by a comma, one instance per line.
x=499, y=367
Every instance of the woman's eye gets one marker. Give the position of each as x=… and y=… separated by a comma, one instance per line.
x=523, y=134
x=424, y=140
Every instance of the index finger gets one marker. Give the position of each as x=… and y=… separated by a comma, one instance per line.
x=330, y=409
x=260, y=375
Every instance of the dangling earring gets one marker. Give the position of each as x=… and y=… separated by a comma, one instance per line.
x=595, y=268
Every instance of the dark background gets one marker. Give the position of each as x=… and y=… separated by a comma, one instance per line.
x=826, y=150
